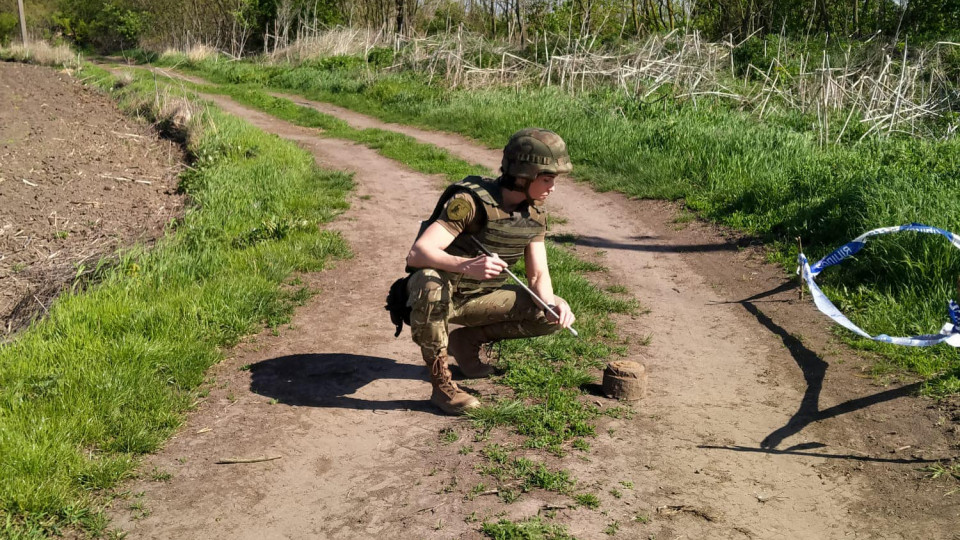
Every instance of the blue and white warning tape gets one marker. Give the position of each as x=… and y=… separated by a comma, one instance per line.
x=949, y=334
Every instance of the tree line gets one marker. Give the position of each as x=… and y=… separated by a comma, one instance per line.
x=244, y=26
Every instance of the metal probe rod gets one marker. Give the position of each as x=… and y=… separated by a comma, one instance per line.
x=532, y=294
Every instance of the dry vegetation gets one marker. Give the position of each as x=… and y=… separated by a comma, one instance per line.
x=41, y=52
x=885, y=89
x=317, y=42
x=889, y=91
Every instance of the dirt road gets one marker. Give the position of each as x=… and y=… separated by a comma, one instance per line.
x=746, y=434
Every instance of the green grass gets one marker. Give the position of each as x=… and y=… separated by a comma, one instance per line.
x=547, y=373
x=109, y=373
x=588, y=500
x=449, y=436
x=939, y=470
x=522, y=474
x=529, y=529
x=770, y=178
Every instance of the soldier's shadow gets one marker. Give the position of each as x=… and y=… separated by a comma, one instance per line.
x=328, y=380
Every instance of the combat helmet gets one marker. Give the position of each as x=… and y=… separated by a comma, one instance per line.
x=533, y=151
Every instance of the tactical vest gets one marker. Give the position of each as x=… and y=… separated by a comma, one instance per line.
x=501, y=232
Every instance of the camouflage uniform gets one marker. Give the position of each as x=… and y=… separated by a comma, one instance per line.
x=491, y=309
x=437, y=298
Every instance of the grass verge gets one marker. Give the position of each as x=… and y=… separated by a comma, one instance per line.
x=109, y=373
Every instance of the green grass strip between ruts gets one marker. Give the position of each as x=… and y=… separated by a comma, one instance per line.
x=769, y=178
x=109, y=373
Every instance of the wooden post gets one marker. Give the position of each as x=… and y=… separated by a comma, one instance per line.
x=799, y=251
x=23, y=22
x=400, y=21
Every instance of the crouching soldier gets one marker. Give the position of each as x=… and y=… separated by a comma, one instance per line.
x=452, y=281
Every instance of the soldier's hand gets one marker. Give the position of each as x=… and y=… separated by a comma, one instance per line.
x=484, y=267
x=562, y=308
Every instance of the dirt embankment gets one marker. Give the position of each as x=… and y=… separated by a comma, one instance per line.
x=78, y=180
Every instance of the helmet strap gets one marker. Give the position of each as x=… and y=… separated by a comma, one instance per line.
x=516, y=186
x=526, y=191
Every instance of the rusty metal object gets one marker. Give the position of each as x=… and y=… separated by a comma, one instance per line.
x=625, y=380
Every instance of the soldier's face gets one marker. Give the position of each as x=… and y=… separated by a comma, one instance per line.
x=542, y=186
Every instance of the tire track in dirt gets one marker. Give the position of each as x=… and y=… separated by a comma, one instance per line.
x=357, y=434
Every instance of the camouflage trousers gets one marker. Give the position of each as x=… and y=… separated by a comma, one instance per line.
x=507, y=312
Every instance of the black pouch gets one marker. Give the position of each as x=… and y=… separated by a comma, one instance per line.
x=397, y=304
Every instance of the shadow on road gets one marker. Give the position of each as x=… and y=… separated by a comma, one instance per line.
x=644, y=243
x=798, y=451
x=328, y=380
x=814, y=370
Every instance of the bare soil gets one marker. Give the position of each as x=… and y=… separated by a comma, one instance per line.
x=78, y=180
x=758, y=422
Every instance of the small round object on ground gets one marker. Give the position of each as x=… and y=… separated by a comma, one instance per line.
x=625, y=380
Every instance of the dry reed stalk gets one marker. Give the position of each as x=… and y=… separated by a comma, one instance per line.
x=200, y=52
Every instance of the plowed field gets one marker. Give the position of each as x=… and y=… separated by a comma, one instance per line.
x=78, y=180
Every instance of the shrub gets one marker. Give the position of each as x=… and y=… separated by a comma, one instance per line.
x=8, y=28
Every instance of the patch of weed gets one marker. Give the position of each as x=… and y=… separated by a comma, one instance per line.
x=588, y=500
x=477, y=490
x=508, y=496
x=449, y=436
x=517, y=475
x=939, y=470
x=158, y=475
x=532, y=528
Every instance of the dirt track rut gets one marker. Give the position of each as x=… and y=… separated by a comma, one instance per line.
x=359, y=441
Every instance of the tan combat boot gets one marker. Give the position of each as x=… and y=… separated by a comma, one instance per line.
x=446, y=395
x=466, y=347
